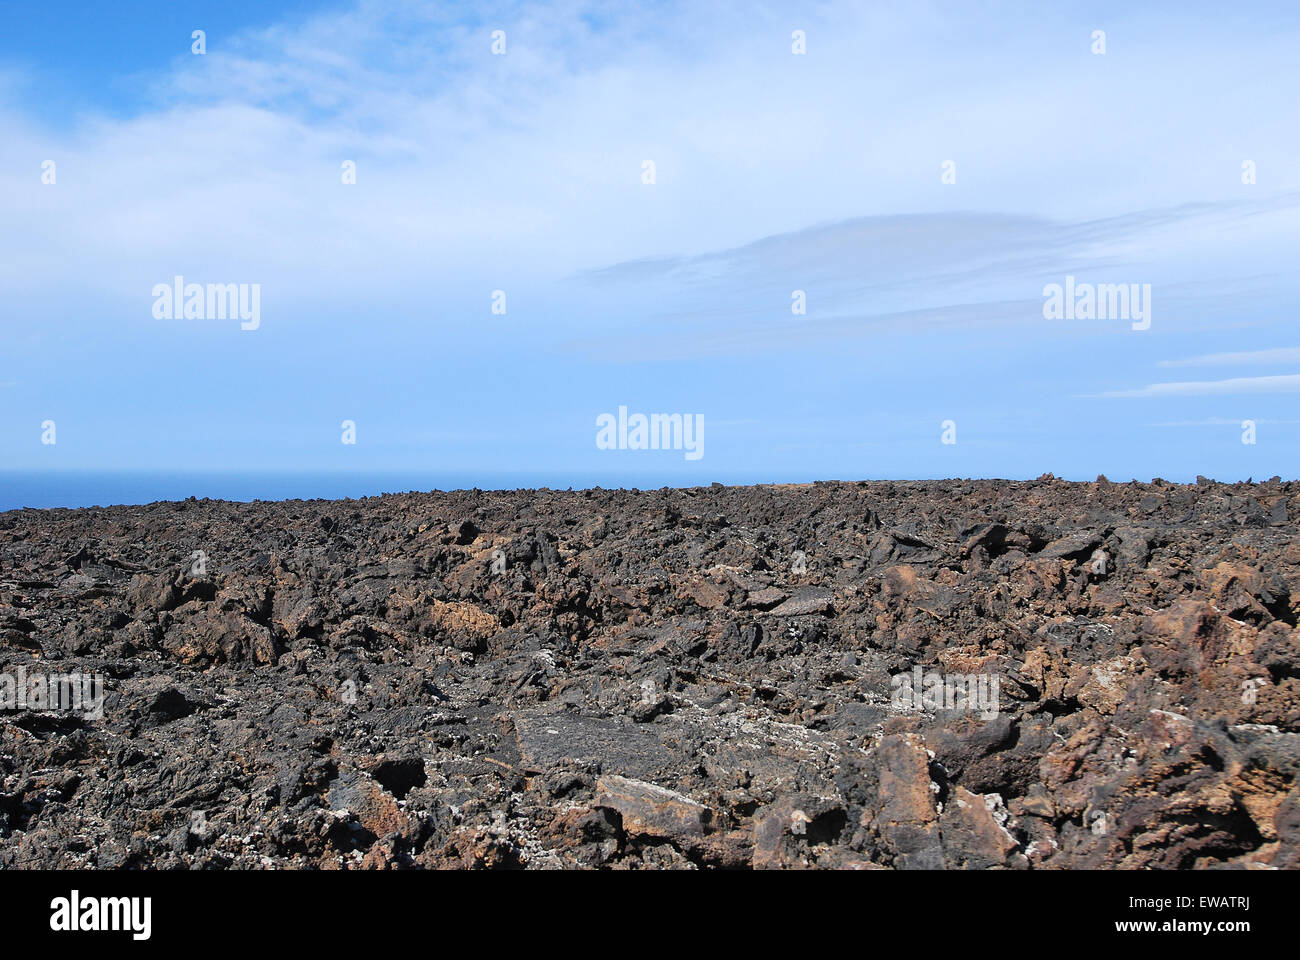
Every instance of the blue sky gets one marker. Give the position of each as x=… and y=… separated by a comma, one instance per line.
x=774, y=172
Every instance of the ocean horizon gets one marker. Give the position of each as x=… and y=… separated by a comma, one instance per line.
x=91, y=488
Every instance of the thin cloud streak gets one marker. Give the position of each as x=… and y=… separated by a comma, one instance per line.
x=1275, y=355
x=1222, y=422
x=1286, y=383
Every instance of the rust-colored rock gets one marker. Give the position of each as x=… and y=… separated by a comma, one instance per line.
x=666, y=679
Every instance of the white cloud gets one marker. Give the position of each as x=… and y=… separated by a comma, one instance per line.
x=1287, y=383
x=1222, y=422
x=477, y=171
x=1275, y=355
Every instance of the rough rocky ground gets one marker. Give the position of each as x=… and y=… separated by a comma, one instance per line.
x=650, y=682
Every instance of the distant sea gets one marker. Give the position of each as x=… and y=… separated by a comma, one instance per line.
x=95, y=489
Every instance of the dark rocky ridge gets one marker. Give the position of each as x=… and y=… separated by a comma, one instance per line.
x=649, y=683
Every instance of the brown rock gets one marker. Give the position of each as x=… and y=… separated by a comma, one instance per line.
x=654, y=811
x=908, y=815
x=972, y=838
x=374, y=808
x=790, y=833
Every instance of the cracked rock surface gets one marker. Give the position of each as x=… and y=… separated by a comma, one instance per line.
x=661, y=679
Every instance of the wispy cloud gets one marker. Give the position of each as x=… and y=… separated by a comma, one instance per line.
x=479, y=170
x=1245, y=357
x=1287, y=383
x=868, y=275
x=1222, y=422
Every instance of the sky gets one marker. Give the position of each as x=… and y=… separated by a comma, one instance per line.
x=607, y=206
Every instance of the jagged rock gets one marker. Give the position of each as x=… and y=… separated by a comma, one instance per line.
x=908, y=817
x=972, y=837
x=798, y=831
x=658, y=679
x=806, y=601
x=1076, y=546
x=546, y=739
x=654, y=811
